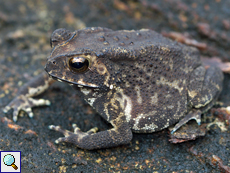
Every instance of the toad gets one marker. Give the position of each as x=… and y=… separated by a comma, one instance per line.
x=138, y=81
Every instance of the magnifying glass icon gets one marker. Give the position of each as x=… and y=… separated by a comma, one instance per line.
x=9, y=160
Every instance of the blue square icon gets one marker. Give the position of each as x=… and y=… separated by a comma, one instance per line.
x=10, y=161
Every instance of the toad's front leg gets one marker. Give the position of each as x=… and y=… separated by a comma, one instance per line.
x=24, y=101
x=118, y=135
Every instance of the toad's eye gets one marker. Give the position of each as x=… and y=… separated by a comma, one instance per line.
x=78, y=64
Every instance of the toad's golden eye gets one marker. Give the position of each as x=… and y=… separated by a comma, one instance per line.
x=78, y=64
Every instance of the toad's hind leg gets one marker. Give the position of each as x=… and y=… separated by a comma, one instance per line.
x=203, y=90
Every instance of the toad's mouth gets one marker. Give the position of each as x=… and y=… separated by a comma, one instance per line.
x=79, y=83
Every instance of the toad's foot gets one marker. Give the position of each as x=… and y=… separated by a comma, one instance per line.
x=91, y=140
x=195, y=114
x=72, y=137
x=24, y=103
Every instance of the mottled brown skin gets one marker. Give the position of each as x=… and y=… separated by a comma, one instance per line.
x=137, y=80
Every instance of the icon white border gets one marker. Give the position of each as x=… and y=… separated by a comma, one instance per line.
x=9, y=169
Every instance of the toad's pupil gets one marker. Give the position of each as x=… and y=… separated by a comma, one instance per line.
x=79, y=64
